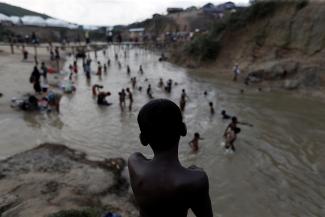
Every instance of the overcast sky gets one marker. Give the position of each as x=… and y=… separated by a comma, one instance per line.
x=107, y=12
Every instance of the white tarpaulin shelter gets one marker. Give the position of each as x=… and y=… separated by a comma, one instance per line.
x=4, y=18
x=33, y=21
x=15, y=20
x=60, y=23
x=56, y=23
x=37, y=21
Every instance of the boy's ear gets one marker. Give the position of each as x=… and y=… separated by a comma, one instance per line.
x=183, y=130
x=143, y=140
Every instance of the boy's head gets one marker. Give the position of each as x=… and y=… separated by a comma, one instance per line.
x=161, y=124
x=223, y=112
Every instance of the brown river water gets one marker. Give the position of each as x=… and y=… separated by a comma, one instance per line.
x=277, y=170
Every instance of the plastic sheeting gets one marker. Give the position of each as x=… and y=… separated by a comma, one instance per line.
x=33, y=21
x=4, y=18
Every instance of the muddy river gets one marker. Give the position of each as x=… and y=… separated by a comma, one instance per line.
x=277, y=170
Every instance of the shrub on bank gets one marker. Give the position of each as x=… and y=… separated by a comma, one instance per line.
x=204, y=47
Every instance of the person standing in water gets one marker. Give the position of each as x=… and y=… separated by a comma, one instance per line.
x=128, y=70
x=162, y=186
x=182, y=102
x=236, y=72
x=211, y=108
x=35, y=80
x=130, y=96
x=161, y=83
x=231, y=134
x=105, y=69
x=44, y=70
x=134, y=82
x=194, y=143
x=141, y=70
x=122, y=96
x=99, y=69
x=75, y=67
x=149, y=92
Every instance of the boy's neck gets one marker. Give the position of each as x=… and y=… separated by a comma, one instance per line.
x=169, y=156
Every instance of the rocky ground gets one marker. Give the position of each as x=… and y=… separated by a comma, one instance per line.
x=52, y=177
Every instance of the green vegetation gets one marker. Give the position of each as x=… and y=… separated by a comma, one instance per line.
x=206, y=47
x=11, y=10
x=203, y=47
x=88, y=212
x=256, y=11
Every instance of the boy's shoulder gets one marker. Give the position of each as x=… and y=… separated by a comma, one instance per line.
x=136, y=159
x=196, y=179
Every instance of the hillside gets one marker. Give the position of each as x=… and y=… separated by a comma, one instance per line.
x=11, y=10
x=278, y=42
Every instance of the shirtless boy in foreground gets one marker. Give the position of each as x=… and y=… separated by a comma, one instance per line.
x=162, y=186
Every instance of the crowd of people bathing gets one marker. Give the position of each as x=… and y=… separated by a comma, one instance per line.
x=50, y=100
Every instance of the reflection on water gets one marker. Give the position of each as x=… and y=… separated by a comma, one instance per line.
x=278, y=170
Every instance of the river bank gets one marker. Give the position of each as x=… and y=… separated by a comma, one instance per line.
x=293, y=76
x=51, y=178
x=277, y=45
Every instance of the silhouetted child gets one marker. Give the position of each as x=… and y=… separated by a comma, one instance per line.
x=122, y=96
x=128, y=70
x=99, y=70
x=211, y=108
x=149, y=92
x=194, y=143
x=105, y=68
x=161, y=83
x=162, y=186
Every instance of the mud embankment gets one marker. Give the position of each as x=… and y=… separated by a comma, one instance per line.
x=283, y=47
x=53, y=177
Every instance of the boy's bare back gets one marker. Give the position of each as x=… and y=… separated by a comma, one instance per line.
x=162, y=187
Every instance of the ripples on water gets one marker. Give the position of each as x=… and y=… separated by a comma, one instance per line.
x=278, y=170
